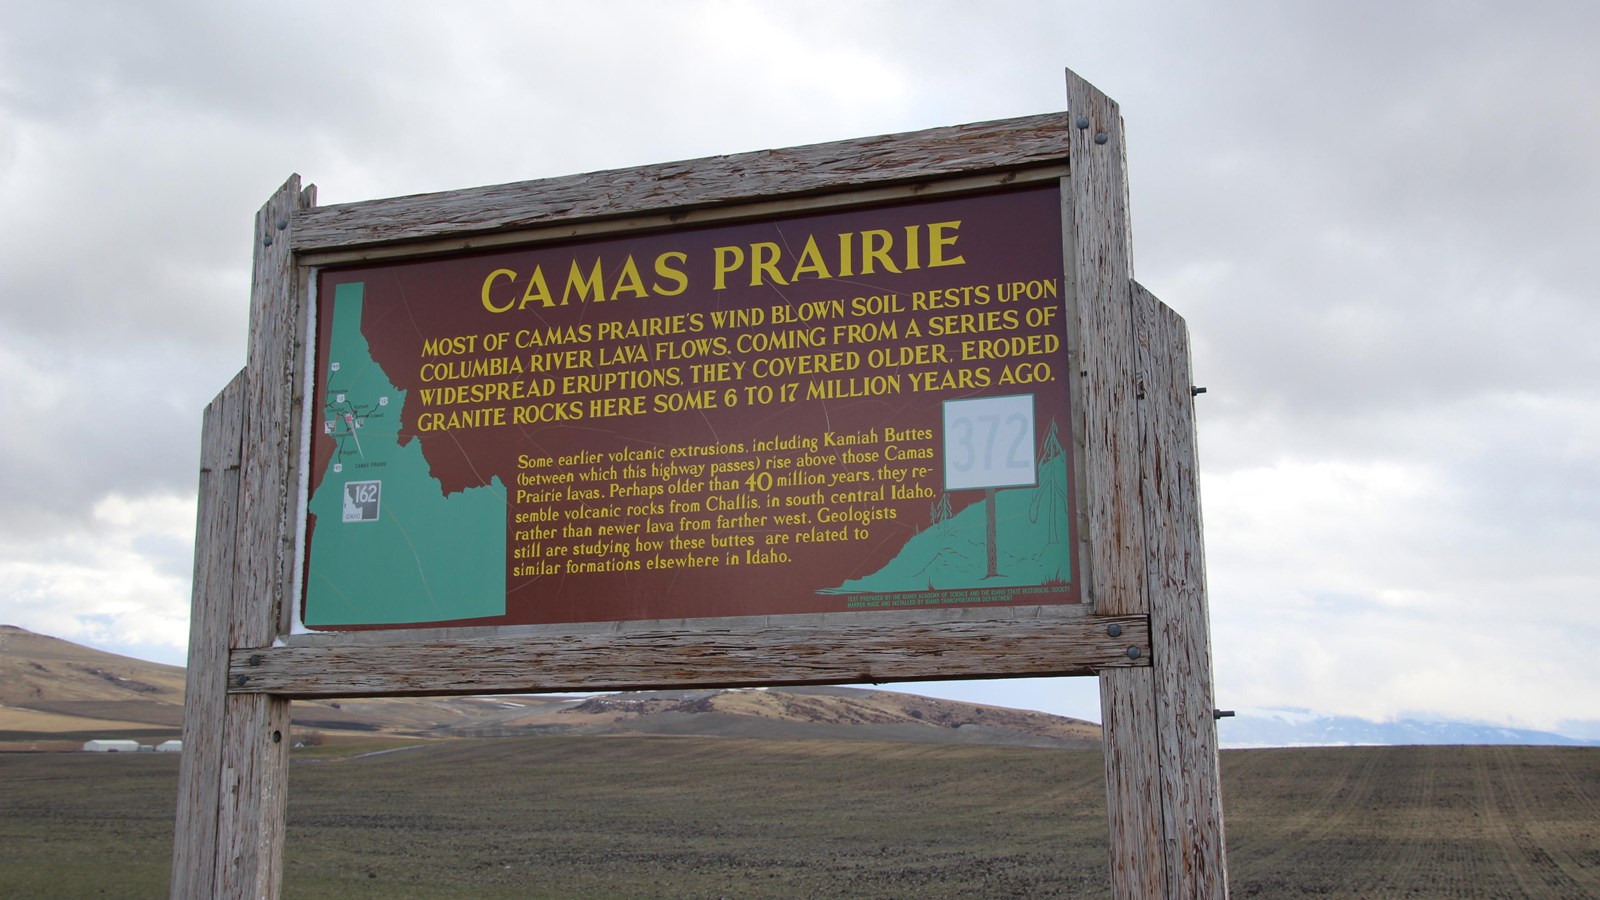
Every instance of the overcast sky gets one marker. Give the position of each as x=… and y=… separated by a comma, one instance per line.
x=1378, y=218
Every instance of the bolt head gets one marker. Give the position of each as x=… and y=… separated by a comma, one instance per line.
x=1101, y=137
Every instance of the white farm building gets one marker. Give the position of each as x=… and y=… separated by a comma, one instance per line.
x=106, y=745
x=170, y=747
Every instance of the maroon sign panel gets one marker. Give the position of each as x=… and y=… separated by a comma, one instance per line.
x=847, y=410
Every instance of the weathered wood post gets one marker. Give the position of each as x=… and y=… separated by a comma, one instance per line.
x=234, y=773
x=1143, y=531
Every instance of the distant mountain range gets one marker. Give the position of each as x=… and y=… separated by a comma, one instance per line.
x=1304, y=728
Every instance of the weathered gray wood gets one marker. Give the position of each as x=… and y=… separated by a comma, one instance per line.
x=273, y=371
x=1175, y=556
x=1133, y=784
x=1100, y=272
x=872, y=619
x=779, y=653
x=216, y=530
x=255, y=767
x=237, y=788
x=1145, y=544
x=735, y=210
x=906, y=158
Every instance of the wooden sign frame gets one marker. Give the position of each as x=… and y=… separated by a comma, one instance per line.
x=1143, y=630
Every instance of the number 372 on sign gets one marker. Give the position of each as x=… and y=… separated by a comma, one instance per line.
x=988, y=443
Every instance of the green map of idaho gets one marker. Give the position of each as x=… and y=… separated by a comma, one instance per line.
x=389, y=547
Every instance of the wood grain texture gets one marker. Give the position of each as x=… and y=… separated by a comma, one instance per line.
x=737, y=210
x=272, y=373
x=1099, y=270
x=781, y=653
x=1143, y=529
x=1133, y=784
x=255, y=768
x=216, y=530
x=255, y=762
x=1180, y=621
x=235, y=789
x=905, y=158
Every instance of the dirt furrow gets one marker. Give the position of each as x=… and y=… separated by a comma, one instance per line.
x=1521, y=796
x=1347, y=780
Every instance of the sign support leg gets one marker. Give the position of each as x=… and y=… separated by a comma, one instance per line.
x=200, y=765
x=1143, y=530
x=234, y=776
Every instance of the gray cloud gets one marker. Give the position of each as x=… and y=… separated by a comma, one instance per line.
x=1375, y=218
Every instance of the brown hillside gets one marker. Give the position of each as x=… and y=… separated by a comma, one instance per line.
x=835, y=713
x=37, y=668
x=54, y=688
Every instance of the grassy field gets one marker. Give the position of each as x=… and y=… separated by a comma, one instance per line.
x=670, y=817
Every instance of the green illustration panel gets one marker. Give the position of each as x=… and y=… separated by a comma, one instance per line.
x=387, y=545
x=1015, y=540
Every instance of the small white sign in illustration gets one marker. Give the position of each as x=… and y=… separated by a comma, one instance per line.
x=361, y=500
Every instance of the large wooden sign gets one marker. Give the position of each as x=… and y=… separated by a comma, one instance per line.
x=879, y=410
x=838, y=411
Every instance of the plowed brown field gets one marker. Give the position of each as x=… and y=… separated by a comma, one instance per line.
x=1414, y=821
x=695, y=817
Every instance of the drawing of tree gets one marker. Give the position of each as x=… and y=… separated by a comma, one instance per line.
x=1050, y=497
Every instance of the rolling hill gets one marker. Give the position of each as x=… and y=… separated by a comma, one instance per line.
x=53, y=692
x=52, y=689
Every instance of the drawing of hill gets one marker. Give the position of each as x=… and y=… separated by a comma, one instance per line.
x=1030, y=535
